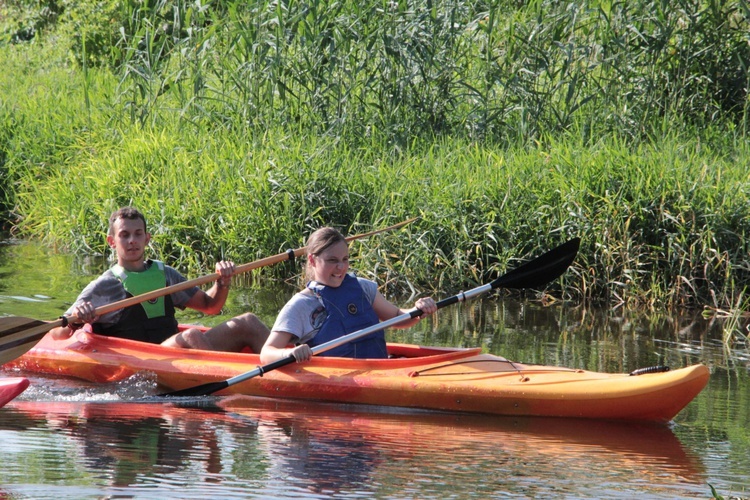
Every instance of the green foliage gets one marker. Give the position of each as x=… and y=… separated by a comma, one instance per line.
x=714, y=493
x=398, y=72
x=22, y=20
x=238, y=127
x=93, y=29
x=496, y=71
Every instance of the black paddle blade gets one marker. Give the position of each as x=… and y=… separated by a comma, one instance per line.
x=18, y=335
x=542, y=270
x=199, y=390
x=534, y=273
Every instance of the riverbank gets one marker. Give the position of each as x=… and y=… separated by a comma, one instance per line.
x=661, y=204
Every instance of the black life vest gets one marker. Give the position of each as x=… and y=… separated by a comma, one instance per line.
x=151, y=321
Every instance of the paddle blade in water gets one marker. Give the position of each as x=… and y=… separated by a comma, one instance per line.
x=200, y=390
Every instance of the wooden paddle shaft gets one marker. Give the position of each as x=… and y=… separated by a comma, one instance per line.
x=288, y=255
x=18, y=335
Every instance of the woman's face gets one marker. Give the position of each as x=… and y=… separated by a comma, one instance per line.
x=330, y=266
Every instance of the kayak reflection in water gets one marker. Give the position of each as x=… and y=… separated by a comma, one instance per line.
x=334, y=303
x=130, y=444
x=154, y=321
x=323, y=463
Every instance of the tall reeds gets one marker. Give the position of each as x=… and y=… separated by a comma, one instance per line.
x=239, y=127
x=495, y=71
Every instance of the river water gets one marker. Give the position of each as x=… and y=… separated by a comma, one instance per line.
x=67, y=439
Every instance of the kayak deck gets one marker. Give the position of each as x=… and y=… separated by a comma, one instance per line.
x=463, y=380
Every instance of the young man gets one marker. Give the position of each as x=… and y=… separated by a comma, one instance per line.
x=154, y=321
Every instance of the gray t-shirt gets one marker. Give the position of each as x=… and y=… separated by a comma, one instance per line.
x=107, y=289
x=304, y=314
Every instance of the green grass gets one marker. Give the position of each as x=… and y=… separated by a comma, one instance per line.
x=240, y=127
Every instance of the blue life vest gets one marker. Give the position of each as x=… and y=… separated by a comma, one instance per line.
x=151, y=321
x=348, y=311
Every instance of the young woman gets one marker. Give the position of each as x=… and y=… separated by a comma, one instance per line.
x=333, y=304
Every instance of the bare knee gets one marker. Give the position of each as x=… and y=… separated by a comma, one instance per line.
x=252, y=322
x=192, y=338
x=255, y=331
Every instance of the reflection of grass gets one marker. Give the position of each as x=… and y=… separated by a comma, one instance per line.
x=733, y=329
x=735, y=320
x=40, y=284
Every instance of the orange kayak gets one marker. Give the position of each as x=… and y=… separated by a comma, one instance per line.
x=463, y=380
x=11, y=387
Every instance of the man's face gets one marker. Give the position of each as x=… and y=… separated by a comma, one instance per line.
x=129, y=239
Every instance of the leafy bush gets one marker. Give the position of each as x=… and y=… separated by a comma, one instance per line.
x=240, y=126
x=22, y=20
x=94, y=29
